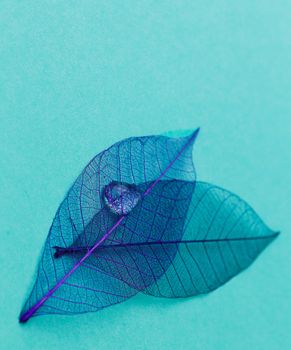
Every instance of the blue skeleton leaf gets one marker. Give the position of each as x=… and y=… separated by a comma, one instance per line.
x=222, y=235
x=215, y=236
x=69, y=284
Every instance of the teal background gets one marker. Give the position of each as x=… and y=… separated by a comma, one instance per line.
x=75, y=77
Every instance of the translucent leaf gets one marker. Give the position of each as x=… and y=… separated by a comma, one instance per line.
x=222, y=236
x=71, y=283
x=209, y=236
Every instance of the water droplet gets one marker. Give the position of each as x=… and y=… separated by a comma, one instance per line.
x=121, y=198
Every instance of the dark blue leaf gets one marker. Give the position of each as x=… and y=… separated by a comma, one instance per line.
x=90, y=215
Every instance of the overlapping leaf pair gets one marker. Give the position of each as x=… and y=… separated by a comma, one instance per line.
x=136, y=220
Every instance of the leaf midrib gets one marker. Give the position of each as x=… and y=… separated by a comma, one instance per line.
x=126, y=245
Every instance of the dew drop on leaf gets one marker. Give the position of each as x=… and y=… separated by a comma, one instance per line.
x=121, y=198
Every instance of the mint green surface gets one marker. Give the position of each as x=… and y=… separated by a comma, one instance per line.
x=75, y=77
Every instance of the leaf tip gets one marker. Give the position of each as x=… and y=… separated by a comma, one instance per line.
x=196, y=132
x=192, y=137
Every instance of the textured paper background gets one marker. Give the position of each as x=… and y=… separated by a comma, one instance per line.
x=76, y=76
